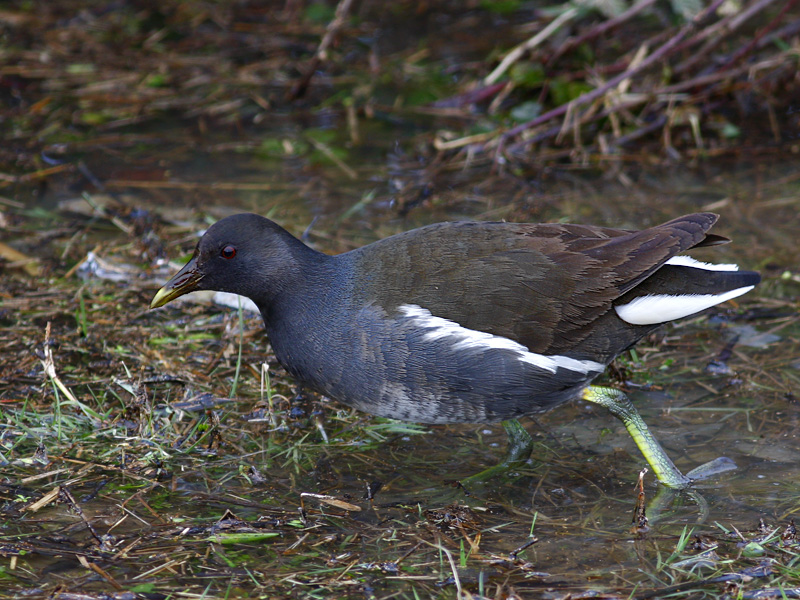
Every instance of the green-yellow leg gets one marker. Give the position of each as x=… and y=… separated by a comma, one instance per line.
x=520, y=445
x=621, y=407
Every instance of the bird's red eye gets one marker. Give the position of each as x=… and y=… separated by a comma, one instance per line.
x=228, y=252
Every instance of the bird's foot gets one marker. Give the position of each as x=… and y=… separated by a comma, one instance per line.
x=520, y=445
x=668, y=474
x=711, y=468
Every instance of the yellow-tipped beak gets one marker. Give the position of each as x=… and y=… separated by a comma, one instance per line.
x=184, y=281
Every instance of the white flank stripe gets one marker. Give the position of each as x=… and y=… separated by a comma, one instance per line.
x=660, y=308
x=466, y=339
x=688, y=261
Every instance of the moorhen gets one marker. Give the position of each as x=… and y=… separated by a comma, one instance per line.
x=467, y=322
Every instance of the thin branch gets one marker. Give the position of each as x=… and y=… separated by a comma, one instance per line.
x=728, y=25
x=596, y=93
x=661, y=95
x=600, y=29
x=516, y=53
x=321, y=55
x=757, y=37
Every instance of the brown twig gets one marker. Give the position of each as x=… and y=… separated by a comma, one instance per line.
x=600, y=29
x=669, y=91
x=717, y=76
x=727, y=25
x=643, y=98
x=321, y=55
x=742, y=52
x=659, y=54
x=517, y=52
x=49, y=366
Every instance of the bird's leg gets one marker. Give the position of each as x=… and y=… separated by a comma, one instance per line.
x=621, y=407
x=520, y=445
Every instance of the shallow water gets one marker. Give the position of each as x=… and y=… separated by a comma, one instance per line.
x=577, y=493
x=151, y=481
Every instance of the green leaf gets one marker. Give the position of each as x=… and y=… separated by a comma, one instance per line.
x=526, y=111
x=94, y=118
x=562, y=91
x=753, y=549
x=242, y=538
x=527, y=74
x=155, y=80
x=319, y=12
x=729, y=130
x=80, y=69
x=501, y=7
